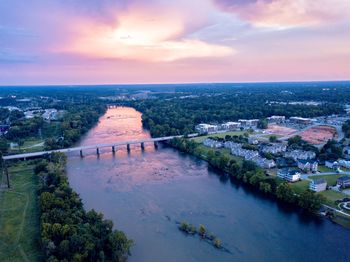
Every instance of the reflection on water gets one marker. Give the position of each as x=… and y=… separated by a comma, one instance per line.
x=146, y=192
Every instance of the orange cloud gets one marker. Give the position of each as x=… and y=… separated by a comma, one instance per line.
x=144, y=36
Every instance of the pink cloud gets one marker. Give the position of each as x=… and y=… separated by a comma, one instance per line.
x=288, y=13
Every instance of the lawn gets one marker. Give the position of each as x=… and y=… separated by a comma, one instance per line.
x=324, y=169
x=19, y=217
x=332, y=196
x=200, y=139
x=300, y=186
x=30, y=145
x=331, y=179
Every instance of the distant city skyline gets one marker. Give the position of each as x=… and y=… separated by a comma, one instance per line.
x=158, y=41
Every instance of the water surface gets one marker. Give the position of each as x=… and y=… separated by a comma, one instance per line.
x=146, y=192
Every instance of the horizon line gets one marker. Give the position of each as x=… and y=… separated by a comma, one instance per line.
x=175, y=83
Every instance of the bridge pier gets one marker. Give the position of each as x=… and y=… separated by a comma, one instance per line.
x=81, y=153
x=156, y=145
x=128, y=147
x=142, y=145
x=97, y=151
x=113, y=149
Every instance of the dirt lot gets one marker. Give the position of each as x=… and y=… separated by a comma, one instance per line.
x=280, y=130
x=318, y=135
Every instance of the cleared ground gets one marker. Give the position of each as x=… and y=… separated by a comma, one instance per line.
x=280, y=130
x=319, y=134
x=19, y=218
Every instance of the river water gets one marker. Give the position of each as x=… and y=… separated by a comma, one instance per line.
x=146, y=192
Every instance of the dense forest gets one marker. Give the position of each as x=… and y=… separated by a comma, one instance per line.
x=178, y=114
x=68, y=232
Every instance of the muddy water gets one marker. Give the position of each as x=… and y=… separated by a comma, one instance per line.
x=146, y=192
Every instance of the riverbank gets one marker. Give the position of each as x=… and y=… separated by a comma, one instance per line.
x=248, y=173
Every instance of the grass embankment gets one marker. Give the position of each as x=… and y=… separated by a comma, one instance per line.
x=19, y=217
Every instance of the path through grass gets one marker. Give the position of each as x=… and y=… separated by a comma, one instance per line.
x=19, y=218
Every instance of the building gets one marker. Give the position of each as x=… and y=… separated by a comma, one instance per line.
x=289, y=175
x=230, y=145
x=346, y=152
x=332, y=164
x=276, y=119
x=308, y=165
x=274, y=148
x=343, y=181
x=212, y=143
x=50, y=114
x=231, y=126
x=248, y=123
x=344, y=163
x=318, y=185
x=300, y=154
x=206, y=128
x=301, y=120
x=264, y=162
x=246, y=154
x=253, y=141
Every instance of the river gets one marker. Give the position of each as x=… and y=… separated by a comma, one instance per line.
x=146, y=192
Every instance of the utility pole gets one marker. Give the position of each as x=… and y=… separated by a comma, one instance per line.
x=6, y=173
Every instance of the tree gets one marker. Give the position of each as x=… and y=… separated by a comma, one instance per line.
x=265, y=187
x=311, y=201
x=201, y=230
x=262, y=124
x=285, y=193
x=4, y=146
x=273, y=138
x=294, y=140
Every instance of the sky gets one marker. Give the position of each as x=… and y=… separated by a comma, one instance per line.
x=164, y=41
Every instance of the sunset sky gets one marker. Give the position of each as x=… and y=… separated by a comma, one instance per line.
x=163, y=41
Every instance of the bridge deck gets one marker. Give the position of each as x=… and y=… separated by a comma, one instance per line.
x=73, y=149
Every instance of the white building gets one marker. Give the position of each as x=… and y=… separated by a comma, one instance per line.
x=253, y=141
x=249, y=122
x=274, y=148
x=308, y=165
x=332, y=164
x=231, y=126
x=212, y=143
x=318, y=185
x=50, y=114
x=264, y=162
x=301, y=120
x=289, y=175
x=276, y=119
x=300, y=154
x=344, y=163
x=206, y=128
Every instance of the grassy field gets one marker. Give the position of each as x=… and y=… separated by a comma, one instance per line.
x=19, y=218
x=200, y=139
x=331, y=179
x=29, y=145
x=300, y=186
x=332, y=196
x=324, y=169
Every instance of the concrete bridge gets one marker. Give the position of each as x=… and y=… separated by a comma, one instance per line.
x=97, y=147
x=82, y=148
